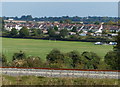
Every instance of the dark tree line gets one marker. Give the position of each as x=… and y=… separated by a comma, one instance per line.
x=66, y=19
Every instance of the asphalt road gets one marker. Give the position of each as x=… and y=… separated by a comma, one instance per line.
x=60, y=73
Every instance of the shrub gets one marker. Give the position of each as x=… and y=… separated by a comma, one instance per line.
x=20, y=55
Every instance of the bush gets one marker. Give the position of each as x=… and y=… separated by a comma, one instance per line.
x=20, y=55
x=34, y=62
x=3, y=60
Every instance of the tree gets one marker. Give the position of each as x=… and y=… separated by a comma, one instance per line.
x=27, y=18
x=74, y=29
x=91, y=60
x=74, y=37
x=39, y=31
x=104, y=32
x=97, y=23
x=34, y=32
x=67, y=21
x=112, y=59
x=20, y=55
x=63, y=33
x=110, y=23
x=55, y=56
x=24, y=32
x=51, y=32
x=13, y=32
x=55, y=28
x=117, y=39
x=61, y=21
x=68, y=62
x=76, y=58
x=2, y=24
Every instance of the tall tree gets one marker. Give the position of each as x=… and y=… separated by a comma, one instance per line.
x=39, y=31
x=112, y=58
x=117, y=39
x=24, y=32
x=51, y=32
x=55, y=28
x=13, y=32
x=35, y=33
x=64, y=33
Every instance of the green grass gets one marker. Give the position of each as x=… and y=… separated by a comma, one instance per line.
x=35, y=47
x=38, y=80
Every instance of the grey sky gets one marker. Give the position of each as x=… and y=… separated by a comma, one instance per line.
x=41, y=9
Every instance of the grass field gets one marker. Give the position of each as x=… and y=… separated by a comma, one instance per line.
x=38, y=80
x=35, y=47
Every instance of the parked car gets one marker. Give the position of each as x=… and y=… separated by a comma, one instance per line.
x=98, y=43
x=113, y=43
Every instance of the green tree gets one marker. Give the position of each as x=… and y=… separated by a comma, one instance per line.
x=55, y=56
x=91, y=60
x=76, y=58
x=112, y=59
x=68, y=61
x=67, y=21
x=104, y=32
x=74, y=37
x=117, y=39
x=51, y=32
x=55, y=28
x=97, y=23
x=63, y=33
x=24, y=32
x=61, y=21
x=34, y=32
x=2, y=24
x=110, y=23
x=39, y=31
x=13, y=32
x=74, y=29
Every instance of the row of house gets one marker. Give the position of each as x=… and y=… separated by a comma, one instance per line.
x=85, y=28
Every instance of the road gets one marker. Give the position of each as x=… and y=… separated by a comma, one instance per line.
x=60, y=73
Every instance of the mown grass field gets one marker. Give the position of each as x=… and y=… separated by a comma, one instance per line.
x=35, y=47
